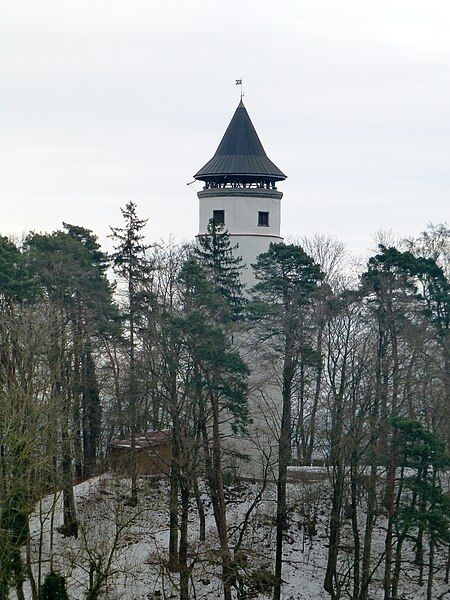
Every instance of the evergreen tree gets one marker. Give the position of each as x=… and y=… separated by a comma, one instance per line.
x=287, y=280
x=70, y=271
x=131, y=264
x=392, y=273
x=96, y=317
x=209, y=345
x=15, y=279
x=16, y=494
x=53, y=588
x=424, y=508
x=222, y=267
x=219, y=383
x=390, y=294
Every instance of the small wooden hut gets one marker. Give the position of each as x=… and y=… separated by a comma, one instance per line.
x=153, y=454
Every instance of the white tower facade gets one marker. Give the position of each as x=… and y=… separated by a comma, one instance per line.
x=240, y=191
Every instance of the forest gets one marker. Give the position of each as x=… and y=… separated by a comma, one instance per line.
x=307, y=417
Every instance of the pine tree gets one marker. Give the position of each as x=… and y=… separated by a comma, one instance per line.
x=287, y=279
x=95, y=316
x=17, y=493
x=16, y=282
x=391, y=296
x=69, y=269
x=423, y=508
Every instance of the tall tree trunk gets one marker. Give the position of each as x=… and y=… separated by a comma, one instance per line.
x=337, y=460
x=368, y=534
x=184, y=569
x=29, y=566
x=397, y=566
x=318, y=387
x=91, y=421
x=77, y=333
x=376, y=410
x=200, y=510
x=221, y=518
x=173, y=501
x=400, y=539
x=331, y=584
x=355, y=528
x=432, y=548
x=431, y=568
x=419, y=555
x=18, y=573
x=447, y=566
x=133, y=398
x=392, y=467
x=70, y=523
x=284, y=456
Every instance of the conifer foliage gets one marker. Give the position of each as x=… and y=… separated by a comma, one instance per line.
x=222, y=265
x=287, y=280
x=53, y=588
x=131, y=264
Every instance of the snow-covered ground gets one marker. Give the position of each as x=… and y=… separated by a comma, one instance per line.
x=135, y=541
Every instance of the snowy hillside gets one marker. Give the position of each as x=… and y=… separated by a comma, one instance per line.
x=128, y=546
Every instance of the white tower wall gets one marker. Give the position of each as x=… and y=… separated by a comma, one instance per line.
x=241, y=209
x=240, y=180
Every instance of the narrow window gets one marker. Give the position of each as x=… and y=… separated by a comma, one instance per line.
x=263, y=219
x=219, y=217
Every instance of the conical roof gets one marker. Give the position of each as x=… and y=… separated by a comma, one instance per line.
x=240, y=153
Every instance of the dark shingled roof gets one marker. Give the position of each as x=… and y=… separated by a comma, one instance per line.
x=151, y=438
x=240, y=153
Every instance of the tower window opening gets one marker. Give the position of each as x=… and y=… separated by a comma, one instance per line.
x=263, y=219
x=219, y=217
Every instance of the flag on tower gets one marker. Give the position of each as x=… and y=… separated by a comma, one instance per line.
x=238, y=81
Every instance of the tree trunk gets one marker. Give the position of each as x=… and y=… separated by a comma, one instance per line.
x=418, y=560
x=201, y=511
x=70, y=523
x=284, y=456
x=447, y=567
x=221, y=518
x=19, y=578
x=336, y=459
x=376, y=409
x=390, y=505
x=431, y=568
x=370, y=520
x=184, y=569
x=312, y=425
x=173, y=502
x=355, y=529
x=31, y=578
x=133, y=397
x=392, y=468
x=91, y=421
x=400, y=539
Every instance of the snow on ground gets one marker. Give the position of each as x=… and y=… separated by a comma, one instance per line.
x=135, y=541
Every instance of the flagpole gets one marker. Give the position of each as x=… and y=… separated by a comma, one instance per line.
x=239, y=82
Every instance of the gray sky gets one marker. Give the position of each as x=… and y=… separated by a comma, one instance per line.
x=103, y=101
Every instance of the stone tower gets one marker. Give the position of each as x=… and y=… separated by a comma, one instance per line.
x=240, y=191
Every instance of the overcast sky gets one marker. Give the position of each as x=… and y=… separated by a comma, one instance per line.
x=103, y=101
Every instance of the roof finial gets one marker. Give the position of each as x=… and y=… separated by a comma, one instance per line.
x=239, y=82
